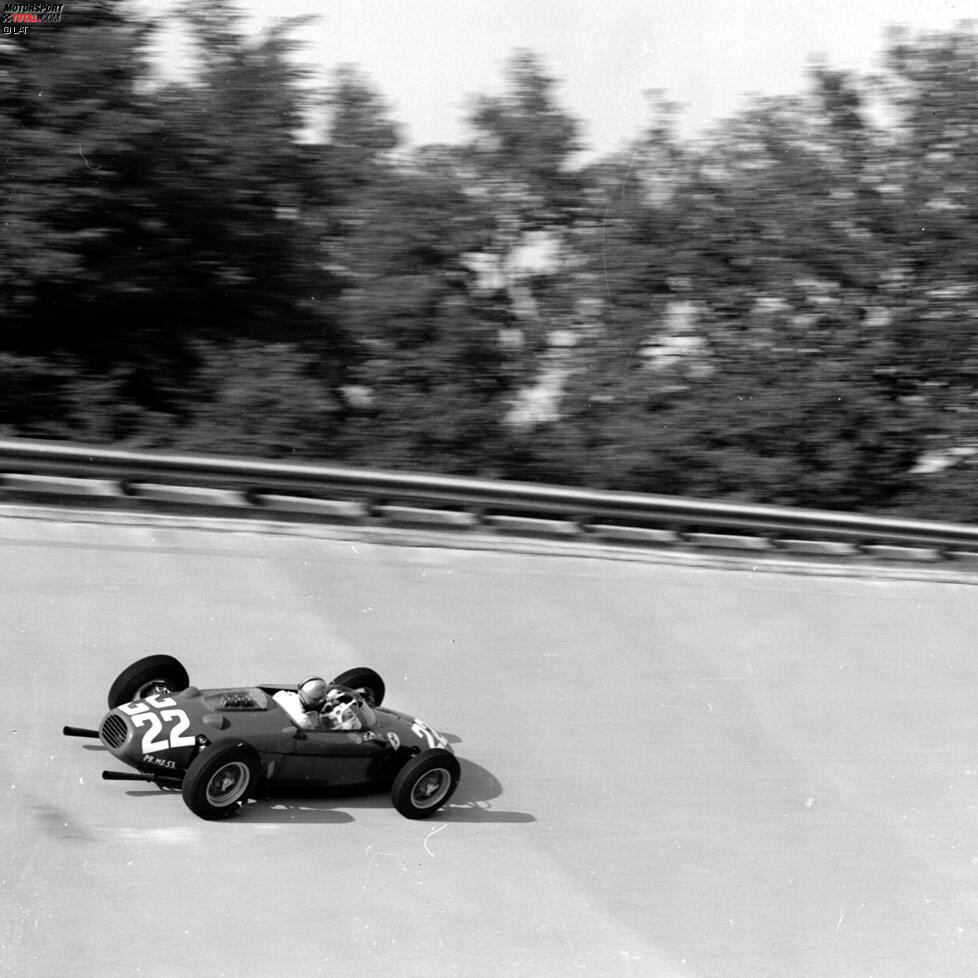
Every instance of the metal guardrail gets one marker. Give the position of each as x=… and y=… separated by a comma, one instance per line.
x=67, y=471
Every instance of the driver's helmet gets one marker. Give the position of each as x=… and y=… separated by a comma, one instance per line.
x=312, y=693
x=340, y=711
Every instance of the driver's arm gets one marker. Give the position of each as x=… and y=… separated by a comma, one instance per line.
x=310, y=720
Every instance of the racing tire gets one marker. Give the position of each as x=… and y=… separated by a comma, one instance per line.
x=425, y=783
x=154, y=674
x=219, y=779
x=366, y=682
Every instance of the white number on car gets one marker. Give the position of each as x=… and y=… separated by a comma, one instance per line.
x=158, y=737
x=424, y=732
x=175, y=737
x=134, y=708
x=155, y=728
x=142, y=706
x=178, y=737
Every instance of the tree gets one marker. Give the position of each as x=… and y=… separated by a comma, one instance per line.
x=743, y=347
x=157, y=219
x=432, y=373
x=72, y=120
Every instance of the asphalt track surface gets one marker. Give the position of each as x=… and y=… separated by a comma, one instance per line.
x=667, y=770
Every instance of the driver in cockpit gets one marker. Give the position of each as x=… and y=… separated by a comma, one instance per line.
x=305, y=705
x=341, y=711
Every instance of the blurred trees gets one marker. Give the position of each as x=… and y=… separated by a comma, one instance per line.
x=781, y=311
x=72, y=187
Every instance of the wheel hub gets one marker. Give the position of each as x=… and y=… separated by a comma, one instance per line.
x=228, y=784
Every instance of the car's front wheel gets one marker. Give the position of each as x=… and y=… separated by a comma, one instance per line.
x=219, y=779
x=425, y=783
x=154, y=674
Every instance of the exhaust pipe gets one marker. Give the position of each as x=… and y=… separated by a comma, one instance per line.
x=126, y=776
x=79, y=732
x=160, y=780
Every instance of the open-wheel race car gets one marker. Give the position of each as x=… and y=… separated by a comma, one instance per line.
x=220, y=746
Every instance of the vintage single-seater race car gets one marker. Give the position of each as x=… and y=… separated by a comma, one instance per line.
x=219, y=746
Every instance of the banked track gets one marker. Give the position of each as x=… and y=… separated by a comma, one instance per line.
x=669, y=768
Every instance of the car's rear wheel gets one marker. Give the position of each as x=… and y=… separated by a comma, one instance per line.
x=154, y=674
x=425, y=783
x=366, y=682
x=219, y=779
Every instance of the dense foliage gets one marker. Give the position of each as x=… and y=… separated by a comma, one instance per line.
x=781, y=311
